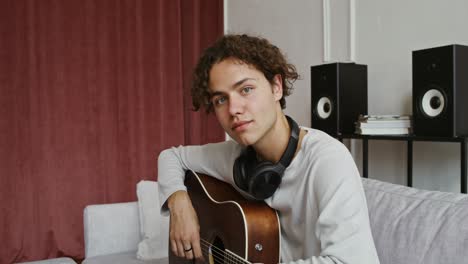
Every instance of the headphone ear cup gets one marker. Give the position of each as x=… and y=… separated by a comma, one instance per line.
x=265, y=181
x=240, y=172
x=243, y=168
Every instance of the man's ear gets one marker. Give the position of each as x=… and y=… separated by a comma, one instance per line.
x=277, y=87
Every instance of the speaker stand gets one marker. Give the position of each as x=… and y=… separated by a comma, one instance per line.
x=409, y=149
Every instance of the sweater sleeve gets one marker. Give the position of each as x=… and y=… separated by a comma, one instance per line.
x=342, y=226
x=214, y=159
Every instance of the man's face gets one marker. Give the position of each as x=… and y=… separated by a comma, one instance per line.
x=245, y=103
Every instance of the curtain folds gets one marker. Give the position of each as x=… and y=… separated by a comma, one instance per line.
x=90, y=92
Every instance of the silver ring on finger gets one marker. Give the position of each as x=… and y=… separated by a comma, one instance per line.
x=188, y=249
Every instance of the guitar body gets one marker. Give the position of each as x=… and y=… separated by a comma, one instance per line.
x=232, y=229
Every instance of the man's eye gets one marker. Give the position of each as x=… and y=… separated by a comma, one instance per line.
x=246, y=90
x=219, y=100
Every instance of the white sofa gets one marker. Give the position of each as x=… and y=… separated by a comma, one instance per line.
x=131, y=233
x=112, y=234
x=408, y=225
x=63, y=260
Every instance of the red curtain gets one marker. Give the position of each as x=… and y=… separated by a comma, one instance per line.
x=90, y=92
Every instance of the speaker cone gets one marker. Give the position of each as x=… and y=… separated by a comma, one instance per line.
x=433, y=103
x=324, y=108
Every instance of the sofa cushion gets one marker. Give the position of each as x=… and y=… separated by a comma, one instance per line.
x=417, y=226
x=153, y=227
x=111, y=228
x=122, y=258
x=52, y=261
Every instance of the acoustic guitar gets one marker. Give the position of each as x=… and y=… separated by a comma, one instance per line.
x=232, y=228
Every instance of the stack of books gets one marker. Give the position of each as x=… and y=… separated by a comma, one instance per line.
x=383, y=125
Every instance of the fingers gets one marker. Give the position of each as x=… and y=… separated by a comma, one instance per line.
x=183, y=249
x=180, y=249
x=184, y=232
x=197, y=250
x=174, y=247
x=188, y=251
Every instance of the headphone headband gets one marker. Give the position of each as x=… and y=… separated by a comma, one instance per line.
x=288, y=154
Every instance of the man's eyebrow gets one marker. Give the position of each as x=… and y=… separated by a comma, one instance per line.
x=240, y=82
x=213, y=94
x=236, y=84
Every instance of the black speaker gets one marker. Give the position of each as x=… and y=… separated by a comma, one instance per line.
x=339, y=96
x=440, y=91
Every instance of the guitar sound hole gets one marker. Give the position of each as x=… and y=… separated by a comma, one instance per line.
x=217, y=252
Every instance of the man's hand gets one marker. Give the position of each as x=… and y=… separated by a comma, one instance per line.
x=184, y=228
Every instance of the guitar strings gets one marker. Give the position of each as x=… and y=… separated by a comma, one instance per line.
x=220, y=253
x=217, y=253
x=215, y=258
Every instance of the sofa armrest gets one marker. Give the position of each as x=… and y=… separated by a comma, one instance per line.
x=111, y=228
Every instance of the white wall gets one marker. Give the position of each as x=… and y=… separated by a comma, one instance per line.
x=378, y=33
x=386, y=33
x=292, y=28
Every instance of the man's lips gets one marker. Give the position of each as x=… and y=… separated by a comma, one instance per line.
x=240, y=125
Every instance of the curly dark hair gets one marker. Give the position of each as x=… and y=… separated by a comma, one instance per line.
x=254, y=51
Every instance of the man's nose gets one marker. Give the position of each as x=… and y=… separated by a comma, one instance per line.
x=236, y=105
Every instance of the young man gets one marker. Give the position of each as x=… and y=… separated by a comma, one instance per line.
x=320, y=200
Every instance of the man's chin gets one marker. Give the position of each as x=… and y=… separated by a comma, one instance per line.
x=244, y=141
